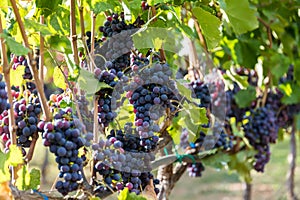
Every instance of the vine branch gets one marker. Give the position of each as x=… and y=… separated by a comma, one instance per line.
x=93, y=16
x=32, y=65
x=268, y=31
x=41, y=59
x=73, y=32
x=12, y=123
x=292, y=162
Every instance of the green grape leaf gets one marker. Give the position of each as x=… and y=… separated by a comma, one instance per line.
x=175, y=130
x=89, y=83
x=74, y=70
x=182, y=86
x=209, y=25
x=217, y=161
x=297, y=71
x=244, y=97
x=186, y=122
x=242, y=163
x=126, y=195
x=58, y=22
x=291, y=93
x=35, y=177
x=297, y=121
x=196, y=114
x=277, y=64
x=33, y=26
x=247, y=51
x=16, y=76
x=102, y=5
x=15, y=47
x=4, y=168
x=59, y=43
x=28, y=180
x=94, y=198
x=47, y=7
x=154, y=2
x=13, y=158
x=59, y=79
x=240, y=15
x=125, y=113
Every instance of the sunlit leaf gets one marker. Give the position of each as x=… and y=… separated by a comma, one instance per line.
x=59, y=79
x=16, y=76
x=15, y=47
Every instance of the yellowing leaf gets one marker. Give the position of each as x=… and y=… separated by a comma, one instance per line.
x=15, y=155
x=59, y=79
x=16, y=76
x=157, y=42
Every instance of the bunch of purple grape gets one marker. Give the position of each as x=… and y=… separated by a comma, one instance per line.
x=261, y=129
x=4, y=105
x=123, y=162
x=27, y=113
x=63, y=137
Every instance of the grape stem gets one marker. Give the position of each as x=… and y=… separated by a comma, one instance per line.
x=12, y=124
x=82, y=28
x=93, y=16
x=248, y=191
x=32, y=65
x=165, y=174
x=29, y=155
x=292, y=163
x=161, y=50
x=41, y=59
x=268, y=31
x=73, y=32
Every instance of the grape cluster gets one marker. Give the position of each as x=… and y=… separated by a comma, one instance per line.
x=201, y=92
x=63, y=137
x=232, y=109
x=261, y=129
x=105, y=113
x=3, y=95
x=252, y=76
x=116, y=23
x=195, y=169
x=123, y=161
x=21, y=60
x=27, y=114
x=89, y=40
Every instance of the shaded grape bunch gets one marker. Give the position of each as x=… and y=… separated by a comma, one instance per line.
x=221, y=140
x=195, y=169
x=4, y=105
x=89, y=40
x=116, y=23
x=201, y=92
x=250, y=73
x=27, y=114
x=285, y=113
x=122, y=162
x=105, y=113
x=21, y=60
x=232, y=108
x=63, y=137
x=261, y=129
x=289, y=75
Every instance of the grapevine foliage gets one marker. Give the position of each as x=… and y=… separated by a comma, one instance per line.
x=150, y=104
